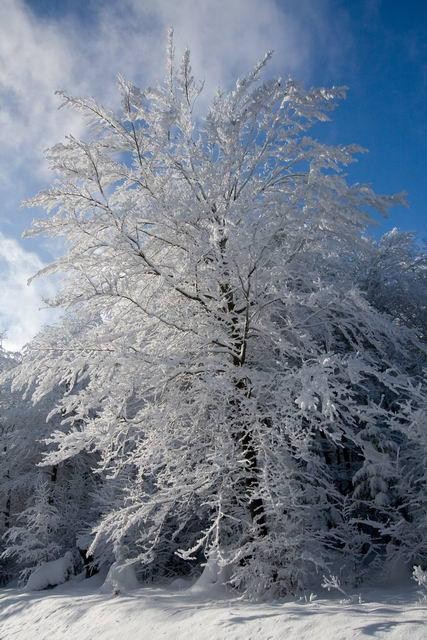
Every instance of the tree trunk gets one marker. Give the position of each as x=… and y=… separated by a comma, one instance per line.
x=53, y=477
x=245, y=436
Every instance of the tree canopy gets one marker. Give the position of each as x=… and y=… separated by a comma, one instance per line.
x=239, y=370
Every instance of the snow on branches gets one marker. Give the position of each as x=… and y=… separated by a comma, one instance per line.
x=224, y=360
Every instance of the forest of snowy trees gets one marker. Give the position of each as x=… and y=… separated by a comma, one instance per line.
x=238, y=373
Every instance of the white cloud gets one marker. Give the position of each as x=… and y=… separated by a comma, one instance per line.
x=35, y=58
x=21, y=312
x=226, y=37
x=40, y=55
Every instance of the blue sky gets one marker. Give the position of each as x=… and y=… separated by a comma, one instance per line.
x=377, y=48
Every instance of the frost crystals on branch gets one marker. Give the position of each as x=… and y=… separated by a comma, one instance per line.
x=224, y=359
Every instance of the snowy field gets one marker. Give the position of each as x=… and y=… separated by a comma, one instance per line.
x=79, y=611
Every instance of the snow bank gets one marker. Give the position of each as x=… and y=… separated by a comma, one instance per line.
x=213, y=578
x=52, y=573
x=120, y=579
x=78, y=611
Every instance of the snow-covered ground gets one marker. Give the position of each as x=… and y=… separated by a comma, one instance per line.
x=78, y=610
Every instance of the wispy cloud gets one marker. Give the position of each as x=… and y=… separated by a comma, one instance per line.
x=35, y=58
x=226, y=37
x=21, y=312
x=39, y=55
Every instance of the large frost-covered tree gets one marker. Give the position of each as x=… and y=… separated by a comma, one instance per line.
x=240, y=388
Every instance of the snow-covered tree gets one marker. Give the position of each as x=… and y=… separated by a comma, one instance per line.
x=240, y=391
x=394, y=275
x=7, y=361
x=43, y=509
